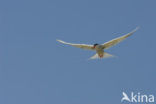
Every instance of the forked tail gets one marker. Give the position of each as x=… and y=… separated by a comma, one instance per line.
x=105, y=55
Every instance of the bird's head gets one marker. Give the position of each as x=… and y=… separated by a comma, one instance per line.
x=95, y=45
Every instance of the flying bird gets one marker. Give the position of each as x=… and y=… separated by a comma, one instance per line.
x=99, y=48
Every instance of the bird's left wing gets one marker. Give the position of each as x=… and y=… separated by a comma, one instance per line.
x=117, y=40
x=83, y=46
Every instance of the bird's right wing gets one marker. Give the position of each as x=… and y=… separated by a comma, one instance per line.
x=117, y=40
x=83, y=46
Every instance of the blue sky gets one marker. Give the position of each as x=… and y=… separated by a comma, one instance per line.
x=35, y=69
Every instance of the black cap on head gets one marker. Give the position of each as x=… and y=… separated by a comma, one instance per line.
x=96, y=44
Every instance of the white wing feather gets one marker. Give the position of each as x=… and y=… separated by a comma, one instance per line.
x=117, y=40
x=83, y=46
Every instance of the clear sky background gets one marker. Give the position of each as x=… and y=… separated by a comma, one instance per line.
x=36, y=69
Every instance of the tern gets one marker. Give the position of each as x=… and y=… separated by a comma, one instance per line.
x=99, y=48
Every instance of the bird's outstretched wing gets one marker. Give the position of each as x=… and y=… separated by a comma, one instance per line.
x=117, y=40
x=83, y=46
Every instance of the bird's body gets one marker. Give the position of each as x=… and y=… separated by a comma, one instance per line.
x=99, y=48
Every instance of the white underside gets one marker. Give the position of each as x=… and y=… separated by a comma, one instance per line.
x=105, y=55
